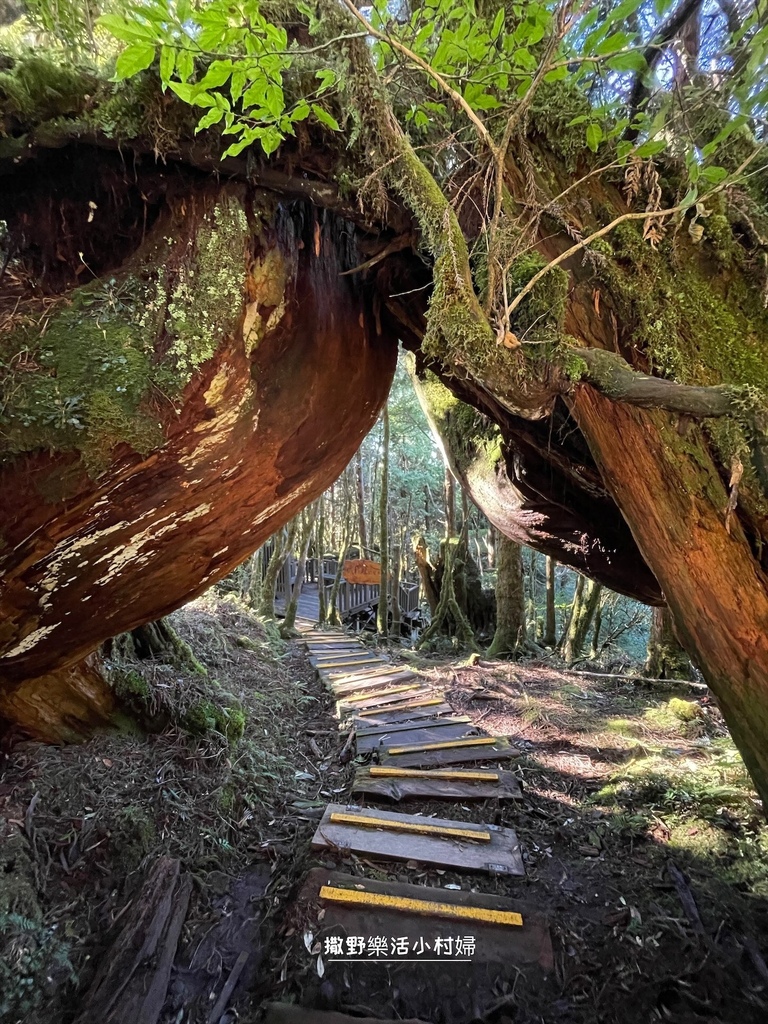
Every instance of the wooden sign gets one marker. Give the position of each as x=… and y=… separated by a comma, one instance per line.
x=361, y=570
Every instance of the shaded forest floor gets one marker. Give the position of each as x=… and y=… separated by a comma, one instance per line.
x=637, y=816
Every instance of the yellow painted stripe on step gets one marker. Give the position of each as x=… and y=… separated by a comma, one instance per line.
x=480, y=915
x=416, y=827
x=379, y=693
x=405, y=706
x=379, y=771
x=416, y=748
x=426, y=723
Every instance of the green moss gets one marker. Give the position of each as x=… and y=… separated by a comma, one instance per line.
x=38, y=88
x=204, y=716
x=99, y=367
x=541, y=314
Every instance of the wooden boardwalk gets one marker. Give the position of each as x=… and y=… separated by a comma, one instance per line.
x=309, y=603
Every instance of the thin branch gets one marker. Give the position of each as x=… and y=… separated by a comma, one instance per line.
x=457, y=98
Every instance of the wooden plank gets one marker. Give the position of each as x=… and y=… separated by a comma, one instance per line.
x=426, y=733
x=364, y=699
x=419, y=905
x=380, y=700
x=500, y=750
x=443, y=744
x=461, y=774
x=501, y=855
x=371, y=683
x=364, y=730
x=503, y=785
x=339, y=678
x=505, y=947
x=407, y=711
x=347, y=661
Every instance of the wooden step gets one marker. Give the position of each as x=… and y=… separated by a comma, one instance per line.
x=458, y=752
x=437, y=784
x=440, y=841
x=427, y=733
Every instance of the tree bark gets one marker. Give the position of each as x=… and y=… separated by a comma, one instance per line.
x=382, y=614
x=667, y=658
x=308, y=524
x=360, y=490
x=64, y=706
x=397, y=612
x=281, y=553
x=426, y=573
x=510, y=601
x=550, y=621
x=586, y=601
x=716, y=591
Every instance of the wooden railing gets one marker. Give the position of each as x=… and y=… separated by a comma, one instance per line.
x=352, y=598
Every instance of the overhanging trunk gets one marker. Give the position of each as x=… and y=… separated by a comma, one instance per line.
x=717, y=593
x=104, y=530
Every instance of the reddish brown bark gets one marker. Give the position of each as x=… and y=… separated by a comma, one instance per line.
x=255, y=437
x=717, y=593
x=63, y=706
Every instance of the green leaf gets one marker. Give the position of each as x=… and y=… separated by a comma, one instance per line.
x=325, y=118
x=594, y=136
x=714, y=175
x=615, y=42
x=557, y=74
x=631, y=61
x=125, y=31
x=301, y=111
x=270, y=140
x=167, y=63
x=690, y=197
x=651, y=148
x=274, y=100
x=216, y=75
x=577, y=120
x=327, y=79
x=213, y=116
x=185, y=64
x=498, y=23
x=133, y=59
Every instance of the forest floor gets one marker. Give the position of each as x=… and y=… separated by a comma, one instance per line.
x=642, y=838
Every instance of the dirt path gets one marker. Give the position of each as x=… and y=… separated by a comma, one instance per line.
x=619, y=782
x=642, y=844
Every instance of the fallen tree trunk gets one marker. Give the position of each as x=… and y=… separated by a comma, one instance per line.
x=152, y=496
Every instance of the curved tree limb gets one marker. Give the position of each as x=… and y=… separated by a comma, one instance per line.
x=613, y=377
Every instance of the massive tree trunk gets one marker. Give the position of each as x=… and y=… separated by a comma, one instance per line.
x=716, y=590
x=164, y=471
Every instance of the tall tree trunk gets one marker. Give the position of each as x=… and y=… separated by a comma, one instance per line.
x=382, y=615
x=594, y=650
x=360, y=491
x=255, y=577
x=426, y=573
x=283, y=546
x=550, y=623
x=397, y=612
x=715, y=588
x=448, y=617
x=322, y=607
x=585, y=604
x=667, y=658
x=449, y=496
x=308, y=524
x=510, y=600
